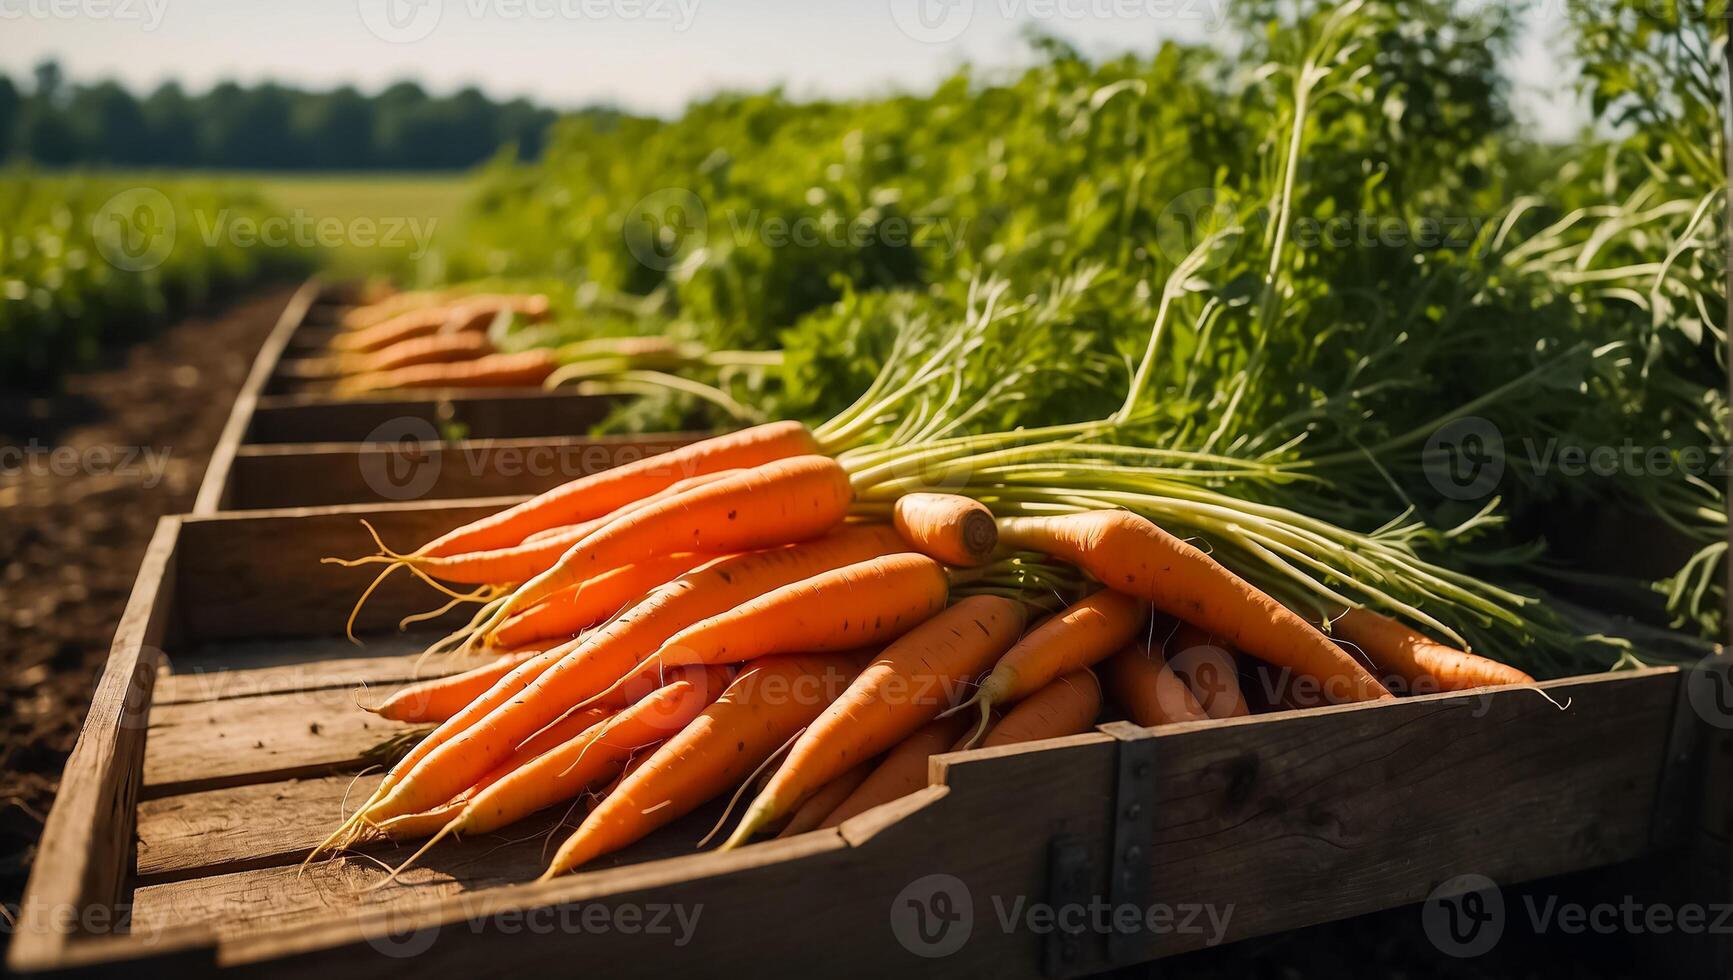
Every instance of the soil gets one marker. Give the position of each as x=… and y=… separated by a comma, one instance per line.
x=84, y=475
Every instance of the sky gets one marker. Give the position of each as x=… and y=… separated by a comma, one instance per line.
x=649, y=56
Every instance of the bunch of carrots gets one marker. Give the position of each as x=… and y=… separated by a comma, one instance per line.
x=456, y=339
x=727, y=618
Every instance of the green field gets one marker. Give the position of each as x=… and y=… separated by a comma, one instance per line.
x=369, y=223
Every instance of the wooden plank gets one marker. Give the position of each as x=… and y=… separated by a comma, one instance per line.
x=238, y=670
x=242, y=827
x=1287, y=819
x=85, y=852
x=210, y=744
x=295, y=475
x=214, y=489
x=258, y=575
x=479, y=414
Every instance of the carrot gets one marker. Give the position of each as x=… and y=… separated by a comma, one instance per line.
x=819, y=805
x=522, y=369
x=595, y=661
x=901, y=690
x=1149, y=691
x=765, y=706
x=1066, y=706
x=442, y=697
x=360, y=317
x=427, y=822
x=600, y=494
x=903, y=771
x=472, y=313
x=561, y=772
x=1130, y=554
x=436, y=349
x=1208, y=670
x=847, y=608
x=956, y=530
x=1424, y=664
x=583, y=605
x=778, y=503
x=594, y=755
x=1080, y=635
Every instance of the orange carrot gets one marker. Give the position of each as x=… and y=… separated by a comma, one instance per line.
x=903, y=771
x=590, y=602
x=782, y=502
x=599, y=658
x=858, y=605
x=902, y=689
x=600, y=494
x=765, y=706
x=956, y=530
x=440, y=698
x=413, y=825
x=1080, y=635
x=1130, y=554
x=1066, y=706
x=521, y=369
x=1208, y=670
x=472, y=313
x=1149, y=691
x=360, y=317
x=819, y=805
x=436, y=349
x=1424, y=665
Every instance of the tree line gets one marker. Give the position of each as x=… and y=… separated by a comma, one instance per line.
x=52, y=122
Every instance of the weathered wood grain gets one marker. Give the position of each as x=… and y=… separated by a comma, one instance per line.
x=210, y=744
x=232, y=670
x=241, y=827
x=213, y=489
x=480, y=414
x=294, y=475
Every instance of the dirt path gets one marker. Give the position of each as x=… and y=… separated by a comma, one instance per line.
x=84, y=475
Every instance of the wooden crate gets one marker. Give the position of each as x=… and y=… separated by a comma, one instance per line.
x=223, y=739
x=287, y=445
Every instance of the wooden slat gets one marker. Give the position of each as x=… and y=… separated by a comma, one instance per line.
x=210, y=744
x=85, y=852
x=213, y=490
x=1291, y=819
x=241, y=827
x=234, y=670
x=491, y=414
x=258, y=575
x=297, y=475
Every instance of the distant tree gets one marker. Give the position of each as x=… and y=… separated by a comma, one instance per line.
x=337, y=129
x=111, y=126
x=174, y=122
x=11, y=103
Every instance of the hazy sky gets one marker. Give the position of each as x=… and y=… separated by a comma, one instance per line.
x=645, y=55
